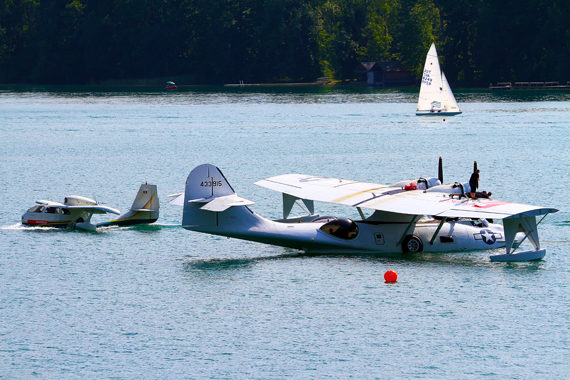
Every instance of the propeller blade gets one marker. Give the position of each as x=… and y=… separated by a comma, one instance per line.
x=475, y=167
x=440, y=171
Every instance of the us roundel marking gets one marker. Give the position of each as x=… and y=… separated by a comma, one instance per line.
x=487, y=236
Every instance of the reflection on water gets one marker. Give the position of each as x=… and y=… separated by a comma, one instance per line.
x=218, y=264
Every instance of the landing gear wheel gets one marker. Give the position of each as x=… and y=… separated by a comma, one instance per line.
x=412, y=244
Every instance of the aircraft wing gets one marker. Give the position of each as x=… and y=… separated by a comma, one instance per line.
x=331, y=190
x=435, y=202
x=99, y=209
x=49, y=203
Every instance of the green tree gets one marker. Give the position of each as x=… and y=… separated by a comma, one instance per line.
x=419, y=27
x=458, y=30
x=18, y=36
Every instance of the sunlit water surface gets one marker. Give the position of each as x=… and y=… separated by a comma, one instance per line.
x=157, y=301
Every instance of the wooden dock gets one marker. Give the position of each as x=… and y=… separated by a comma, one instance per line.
x=530, y=86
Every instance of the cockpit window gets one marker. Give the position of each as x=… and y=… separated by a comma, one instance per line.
x=341, y=228
x=52, y=210
x=37, y=209
x=65, y=211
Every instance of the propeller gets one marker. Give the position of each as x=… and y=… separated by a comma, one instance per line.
x=475, y=167
x=440, y=171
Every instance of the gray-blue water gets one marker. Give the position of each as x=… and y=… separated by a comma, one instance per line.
x=159, y=302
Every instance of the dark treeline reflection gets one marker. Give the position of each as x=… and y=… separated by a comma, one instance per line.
x=223, y=41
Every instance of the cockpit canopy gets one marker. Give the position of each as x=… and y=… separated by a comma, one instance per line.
x=49, y=210
x=341, y=228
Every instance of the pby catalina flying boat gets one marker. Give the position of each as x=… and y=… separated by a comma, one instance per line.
x=76, y=211
x=409, y=216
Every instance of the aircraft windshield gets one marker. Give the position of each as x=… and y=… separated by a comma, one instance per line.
x=37, y=209
x=341, y=228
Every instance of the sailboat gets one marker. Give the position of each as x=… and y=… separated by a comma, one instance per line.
x=436, y=98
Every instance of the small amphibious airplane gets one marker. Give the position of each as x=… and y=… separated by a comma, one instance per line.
x=76, y=211
x=409, y=216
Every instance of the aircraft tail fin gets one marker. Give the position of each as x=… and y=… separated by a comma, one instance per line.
x=146, y=199
x=145, y=208
x=207, y=193
x=206, y=181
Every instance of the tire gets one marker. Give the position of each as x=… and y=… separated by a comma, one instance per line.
x=412, y=244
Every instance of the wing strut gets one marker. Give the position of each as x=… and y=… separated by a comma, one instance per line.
x=437, y=230
x=289, y=202
x=528, y=225
x=415, y=218
x=74, y=221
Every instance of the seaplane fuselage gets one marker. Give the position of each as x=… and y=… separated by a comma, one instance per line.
x=55, y=214
x=338, y=236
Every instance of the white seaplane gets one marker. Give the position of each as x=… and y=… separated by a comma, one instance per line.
x=409, y=216
x=76, y=211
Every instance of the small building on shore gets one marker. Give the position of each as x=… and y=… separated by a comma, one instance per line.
x=388, y=74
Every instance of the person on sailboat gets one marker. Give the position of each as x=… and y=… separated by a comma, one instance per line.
x=474, y=182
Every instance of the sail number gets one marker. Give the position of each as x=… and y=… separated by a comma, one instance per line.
x=211, y=183
x=426, y=77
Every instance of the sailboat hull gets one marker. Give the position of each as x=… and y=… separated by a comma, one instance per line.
x=442, y=113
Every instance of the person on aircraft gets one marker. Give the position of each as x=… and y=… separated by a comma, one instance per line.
x=474, y=182
x=483, y=194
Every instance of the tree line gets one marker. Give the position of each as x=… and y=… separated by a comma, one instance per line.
x=263, y=41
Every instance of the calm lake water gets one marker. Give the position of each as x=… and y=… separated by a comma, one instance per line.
x=159, y=302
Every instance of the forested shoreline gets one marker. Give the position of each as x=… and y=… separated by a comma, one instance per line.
x=264, y=41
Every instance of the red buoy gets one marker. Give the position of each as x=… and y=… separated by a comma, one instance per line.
x=390, y=276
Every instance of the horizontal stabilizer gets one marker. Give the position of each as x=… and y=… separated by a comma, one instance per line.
x=178, y=201
x=220, y=204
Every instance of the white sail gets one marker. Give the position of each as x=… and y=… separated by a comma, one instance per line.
x=435, y=97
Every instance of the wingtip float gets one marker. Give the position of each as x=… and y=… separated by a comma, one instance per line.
x=432, y=217
x=76, y=211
